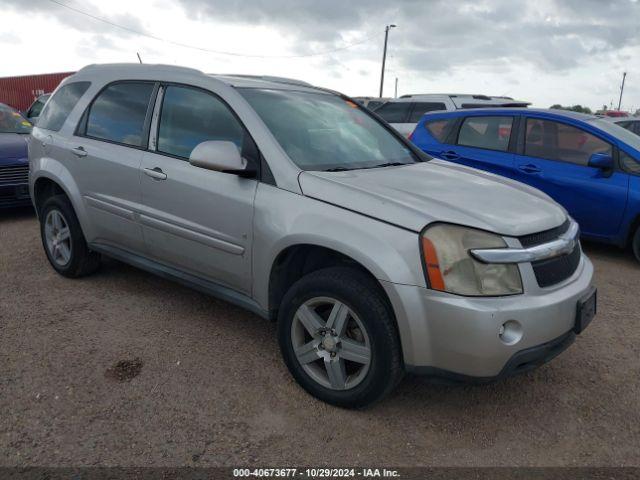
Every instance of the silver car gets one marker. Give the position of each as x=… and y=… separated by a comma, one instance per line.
x=301, y=206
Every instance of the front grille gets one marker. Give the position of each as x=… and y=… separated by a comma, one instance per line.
x=555, y=270
x=543, y=237
x=14, y=175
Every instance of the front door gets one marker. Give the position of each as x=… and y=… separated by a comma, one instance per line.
x=197, y=220
x=555, y=160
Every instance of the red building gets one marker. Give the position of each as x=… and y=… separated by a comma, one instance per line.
x=20, y=92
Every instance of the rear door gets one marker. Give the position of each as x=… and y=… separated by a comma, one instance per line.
x=553, y=156
x=483, y=142
x=106, y=153
x=197, y=220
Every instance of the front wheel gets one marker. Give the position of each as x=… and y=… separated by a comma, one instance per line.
x=338, y=337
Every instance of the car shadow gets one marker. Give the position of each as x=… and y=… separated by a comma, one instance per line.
x=608, y=252
x=16, y=213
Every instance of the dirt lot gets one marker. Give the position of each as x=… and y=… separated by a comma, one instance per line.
x=123, y=368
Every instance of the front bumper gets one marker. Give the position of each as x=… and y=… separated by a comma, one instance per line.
x=441, y=332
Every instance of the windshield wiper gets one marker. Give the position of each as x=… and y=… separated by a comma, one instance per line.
x=337, y=169
x=389, y=164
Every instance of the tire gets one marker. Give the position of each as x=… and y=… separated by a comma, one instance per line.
x=66, y=250
x=635, y=243
x=368, y=328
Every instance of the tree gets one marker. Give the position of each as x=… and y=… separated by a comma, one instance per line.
x=575, y=108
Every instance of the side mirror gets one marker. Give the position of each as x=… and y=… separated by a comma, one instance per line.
x=221, y=156
x=603, y=161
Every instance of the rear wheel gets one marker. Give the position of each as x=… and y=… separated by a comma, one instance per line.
x=338, y=337
x=63, y=240
x=636, y=243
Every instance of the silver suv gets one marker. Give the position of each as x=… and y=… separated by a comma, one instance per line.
x=301, y=206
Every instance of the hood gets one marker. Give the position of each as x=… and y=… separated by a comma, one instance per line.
x=12, y=146
x=415, y=195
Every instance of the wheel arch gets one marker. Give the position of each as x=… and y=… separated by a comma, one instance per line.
x=633, y=228
x=299, y=259
x=47, y=183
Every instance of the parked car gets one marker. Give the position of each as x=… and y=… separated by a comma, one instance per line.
x=630, y=123
x=589, y=165
x=301, y=206
x=371, y=102
x=14, y=164
x=403, y=113
x=33, y=112
x=612, y=113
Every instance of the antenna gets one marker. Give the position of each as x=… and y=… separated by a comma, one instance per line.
x=139, y=59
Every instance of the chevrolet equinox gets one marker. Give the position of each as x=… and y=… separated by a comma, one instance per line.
x=303, y=207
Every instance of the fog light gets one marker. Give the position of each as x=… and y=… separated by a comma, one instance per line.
x=510, y=332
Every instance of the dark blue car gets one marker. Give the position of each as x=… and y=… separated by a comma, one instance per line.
x=589, y=165
x=14, y=164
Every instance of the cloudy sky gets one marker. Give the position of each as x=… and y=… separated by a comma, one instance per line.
x=544, y=51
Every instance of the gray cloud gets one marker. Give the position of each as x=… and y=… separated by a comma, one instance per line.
x=76, y=20
x=433, y=36
x=437, y=35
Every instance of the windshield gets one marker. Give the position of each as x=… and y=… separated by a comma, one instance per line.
x=320, y=131
x=621, y=133
x=12, y=122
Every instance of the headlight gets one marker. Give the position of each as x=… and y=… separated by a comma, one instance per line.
x=450, y=268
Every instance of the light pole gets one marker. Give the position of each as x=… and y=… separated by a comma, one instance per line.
x=624, y=75
x=384, y=55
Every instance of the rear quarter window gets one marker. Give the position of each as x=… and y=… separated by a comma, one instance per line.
x=60, y=105
x=420, y=108
x=440, y=129
x=394, y=112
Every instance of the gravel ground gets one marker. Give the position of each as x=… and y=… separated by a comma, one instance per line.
x=124, y=368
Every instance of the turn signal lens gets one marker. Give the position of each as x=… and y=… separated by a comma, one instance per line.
x=450, y=268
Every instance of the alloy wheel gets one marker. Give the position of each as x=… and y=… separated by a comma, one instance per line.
x=331, y=343
x=58, y=237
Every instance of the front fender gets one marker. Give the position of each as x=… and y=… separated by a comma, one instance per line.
x=284, y=219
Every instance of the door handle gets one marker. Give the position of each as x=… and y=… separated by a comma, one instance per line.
x=529, y=168
x=79, y=152
x=450, y=155
x=156, y=173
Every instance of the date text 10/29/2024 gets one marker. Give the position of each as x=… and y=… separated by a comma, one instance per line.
x=316, y=472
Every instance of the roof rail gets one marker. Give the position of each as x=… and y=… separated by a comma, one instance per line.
x=141, y=66
x=270, y=78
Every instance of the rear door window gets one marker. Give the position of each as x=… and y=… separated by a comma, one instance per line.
x=420, y=108
x=492, y=133
x=191, y=116
x=394, y=112
x=562, y=142
x=60, y=105
x=118, y=114
x=440, y=129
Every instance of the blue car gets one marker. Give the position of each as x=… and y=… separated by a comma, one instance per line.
x=14, y=164
x=589, y=165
